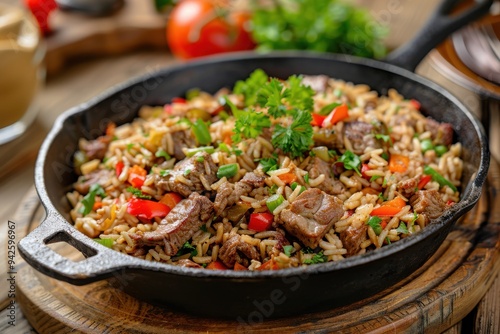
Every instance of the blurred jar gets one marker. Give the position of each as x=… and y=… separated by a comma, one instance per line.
x=21, y=70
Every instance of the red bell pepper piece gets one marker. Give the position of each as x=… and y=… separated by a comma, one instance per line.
x=239, y=267
x=137, y=176
x=415, y=104
x=339, y=113
x=260, y=221
x=119, y=168
x=178, y=100
x=147, y=209
x=423, y=181
x=317, y=119
x=269, y=265
x=364, y=169
x=389, y=208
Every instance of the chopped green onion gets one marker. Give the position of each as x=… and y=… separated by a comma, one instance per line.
x=138, y=193
x=288, y=250
x=439, y=178
x=295, y=184
x=223, y=147
x=440, y=150
x=192, y=151
x=306, y=178
x=326, y=110
x=89, y=199
x=187, y=172
x=337, y=92
x=164, y=172
x=385, y=156
x=105, y=242
x=228, y=171
x=200, y=158
x=426, y=145
x=374, y=177
x=274, y=201
x=402, y=228
x=201, y=132
x=162, y=153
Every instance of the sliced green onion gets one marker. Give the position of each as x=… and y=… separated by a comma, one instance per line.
x=105, y=242
x=439, y=178
x=200, y=158
x=228, y=171
x=321, y=152
x=192, y=151
x=337, y=92
x=440, y=150
x=426, y=145
x=295, y=184
x=224, y=148
x=162, y=153
x=201, y=132
x=274, y=201
x=326, y=110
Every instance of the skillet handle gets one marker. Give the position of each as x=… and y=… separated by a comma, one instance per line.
x=437, y=29
x=96, y=266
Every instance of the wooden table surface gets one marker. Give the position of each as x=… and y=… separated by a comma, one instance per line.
x=84, y=79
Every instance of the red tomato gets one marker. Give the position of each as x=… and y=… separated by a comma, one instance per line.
x=197, y=28
x=260, y=221
x=41, y=10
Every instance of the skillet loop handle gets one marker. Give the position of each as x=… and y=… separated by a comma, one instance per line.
x=437, y=29
x=33, y=248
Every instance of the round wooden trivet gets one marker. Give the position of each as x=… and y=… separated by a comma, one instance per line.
x=433, y=299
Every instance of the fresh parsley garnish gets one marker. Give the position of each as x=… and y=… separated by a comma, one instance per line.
x=374, y=223
x=187, y=248
x=317, y=258
x=307, y=250
x=271, y=96
x=269, y=164
x=402, y=228
x=89, y=199
x=249, y=123
x=138, y=193
x=162, y=153
x=251, y=86
x=297, y=138
x=299, y=96
x=130, y=146
x=351, y=161
x=385, y=138
x=204, y=228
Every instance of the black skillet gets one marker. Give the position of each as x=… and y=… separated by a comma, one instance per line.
x=253, y=296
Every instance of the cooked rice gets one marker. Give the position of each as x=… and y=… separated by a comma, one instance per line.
x=148, y=143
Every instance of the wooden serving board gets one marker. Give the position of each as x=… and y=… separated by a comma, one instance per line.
x=435, y=298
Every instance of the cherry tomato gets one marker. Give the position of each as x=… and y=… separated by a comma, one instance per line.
x=199, y=28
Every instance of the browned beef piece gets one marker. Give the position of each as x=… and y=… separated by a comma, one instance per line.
x=95, y=149
x=192, y=169
x=317, y=82
x=188, y=263
x=229, y=193
x=330, y=185
x=311, y=215
x=329, y=138
x=442, y=133
x=404, y=119
x=429, y=203
x=408, y=187
x=182, y=139
x=179, y=225
x=99, y=176
x=234, y=250
x=360, y=135
x=352, y=238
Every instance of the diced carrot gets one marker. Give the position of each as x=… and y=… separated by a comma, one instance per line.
x=269, y=265
x=110, y=129
x=216, y=265
x=238, y=267
x=137, y=176
x=398, y=163
x=97, y=205
x=288, y=178
x=389, y=208
x=370, y=191
x=171, y=199
x=339, y=113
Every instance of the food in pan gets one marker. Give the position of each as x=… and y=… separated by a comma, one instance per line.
x=269, y=175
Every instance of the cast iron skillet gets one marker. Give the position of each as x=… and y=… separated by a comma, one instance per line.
x=252, y=296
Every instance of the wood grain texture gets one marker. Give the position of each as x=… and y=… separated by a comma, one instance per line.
x=434, y=299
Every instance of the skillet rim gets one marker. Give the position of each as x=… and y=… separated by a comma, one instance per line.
x=127, y=262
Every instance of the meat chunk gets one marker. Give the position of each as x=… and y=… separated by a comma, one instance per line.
x=330, y=186
x=179, y=225
x=99, y=176
x=429, y=203
x=442, y=133
x=182, y=139
x=311, y=215
x=317, y=82
x=94, y=149
x=229, y=193
x=408, y=187
x=189, y=175
x=360, y=136
x=235, y=250
x=352, y=238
